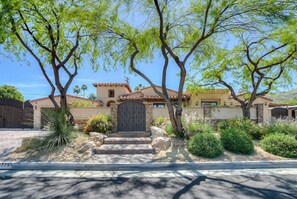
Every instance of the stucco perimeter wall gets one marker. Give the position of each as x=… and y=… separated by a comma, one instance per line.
x=87, y=112
x=78, y=113
x=216, y=113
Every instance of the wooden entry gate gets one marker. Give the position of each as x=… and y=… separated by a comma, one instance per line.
x=279, y=112
x=131, y=116
x=15, y=114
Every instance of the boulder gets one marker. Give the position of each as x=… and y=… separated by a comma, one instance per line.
x=86, y=147
x=97, y=138
x=161, y=143
x=157, y=132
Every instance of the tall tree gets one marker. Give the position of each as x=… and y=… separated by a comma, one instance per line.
x=253, y=67
x=138, y=87
x=10, y=92
x=76, y=90
x=84, y=88
x=92, y=96
x=57, y=34
x=181, y=31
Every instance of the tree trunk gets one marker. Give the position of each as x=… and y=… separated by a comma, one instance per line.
x=246, y=111
x=175, y=119
x=64, y=107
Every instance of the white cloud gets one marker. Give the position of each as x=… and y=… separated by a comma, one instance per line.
x=29, y=85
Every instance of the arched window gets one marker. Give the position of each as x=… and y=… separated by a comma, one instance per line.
x=109, y=103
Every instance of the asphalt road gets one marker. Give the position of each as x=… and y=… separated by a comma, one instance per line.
x=224, y=186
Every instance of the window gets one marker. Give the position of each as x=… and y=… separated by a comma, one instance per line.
x=159, y=105
x=110, y=93
x=209, y=103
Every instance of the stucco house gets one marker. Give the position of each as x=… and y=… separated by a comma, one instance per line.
x=108, y=93
x=223, y=98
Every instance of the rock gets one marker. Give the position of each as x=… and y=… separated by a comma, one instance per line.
x=87, y=147
x=97, y=138
x=161, y=143
x=157, y=132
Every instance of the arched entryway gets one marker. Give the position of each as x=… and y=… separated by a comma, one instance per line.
x=131, y=116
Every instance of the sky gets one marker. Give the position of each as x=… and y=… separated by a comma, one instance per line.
x=28, y=79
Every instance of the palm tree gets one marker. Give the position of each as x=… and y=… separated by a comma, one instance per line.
x=84, y=88
x=92, y=96
x=138, y=87
x=76, y=90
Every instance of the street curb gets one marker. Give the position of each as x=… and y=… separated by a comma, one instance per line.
x=45, y=166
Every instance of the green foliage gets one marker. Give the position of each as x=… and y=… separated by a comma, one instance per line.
x=10, y=92
x=205, y=145
x=82, y=103
x=160, y=121
x=280, y=127
x=246, y=125
x=173, y=132
x=291, y=102
x=170, y=130
x=280, y=144
x=237, y=141
x=92, y=96
x=60, y=130
x=29, y=143
x=195, y=127
x=98, y=123
x=76, y=90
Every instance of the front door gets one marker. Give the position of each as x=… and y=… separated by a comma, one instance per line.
x=131, y=116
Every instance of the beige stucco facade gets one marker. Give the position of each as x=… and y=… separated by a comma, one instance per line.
x=103, y=91
x=222, y=98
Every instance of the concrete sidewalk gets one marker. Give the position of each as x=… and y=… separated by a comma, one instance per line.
x=44, y=166
x=145, y=174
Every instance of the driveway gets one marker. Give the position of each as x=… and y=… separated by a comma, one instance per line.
x=11, y=139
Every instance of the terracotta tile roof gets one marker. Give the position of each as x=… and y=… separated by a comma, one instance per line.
x=269, y=99
x=77, y=97
x=114, y=84
x=142, y=96
x=150, y=97
x=277, y=104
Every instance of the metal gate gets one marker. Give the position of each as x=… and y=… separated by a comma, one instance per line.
x=131, y=116
x=15, y=114
x=279, y=112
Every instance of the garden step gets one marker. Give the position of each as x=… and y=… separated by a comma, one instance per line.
x=122, y=134
x=124, y=149
x=127, y=140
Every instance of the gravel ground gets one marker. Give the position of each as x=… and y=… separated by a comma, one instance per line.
x=11, y=139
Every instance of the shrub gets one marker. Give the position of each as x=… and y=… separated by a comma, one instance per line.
x=98, y=123
x=61, y=131
x=280, y=127
x=280, y=144
x=195, y=127
x=160, y=121
x=237, y=141
x=170, y=130
x=28, y=143
x=247, y=125
x=82, y=103
x=205, y=145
